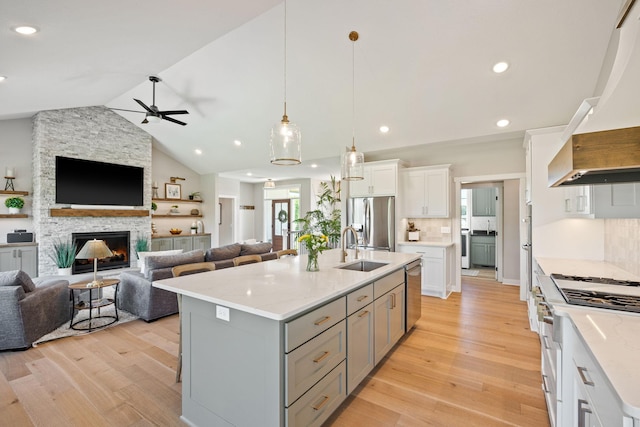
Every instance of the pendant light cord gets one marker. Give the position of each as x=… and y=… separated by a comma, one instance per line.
x=285, y=58
x=353, y=94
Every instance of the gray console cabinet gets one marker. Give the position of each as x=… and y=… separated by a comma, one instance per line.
x=20, y=257
x=187, y=242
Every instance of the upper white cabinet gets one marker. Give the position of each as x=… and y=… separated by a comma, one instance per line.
x=425, y=192
x=578, y=201
x=380, y=179
x=617, y=200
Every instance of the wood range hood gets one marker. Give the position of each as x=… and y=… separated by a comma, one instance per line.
x=604, y=157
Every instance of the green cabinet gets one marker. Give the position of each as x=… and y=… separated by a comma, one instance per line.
x=483, y=250
x=483, y=201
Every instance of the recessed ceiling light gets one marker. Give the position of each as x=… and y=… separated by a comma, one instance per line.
x=249, y=174
x=313, y=165
x=500, y=67
x=237, y=142
x=198, y=151
x=25, y=30
x=384, y=129
x=502, y=123
x=2, y=78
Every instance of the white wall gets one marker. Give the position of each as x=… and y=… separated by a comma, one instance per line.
x=16, y=151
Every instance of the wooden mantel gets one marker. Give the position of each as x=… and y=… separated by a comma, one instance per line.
x=99, y=212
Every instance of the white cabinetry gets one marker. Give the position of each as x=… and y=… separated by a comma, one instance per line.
x=20, y=257
x=437, y=268
x=380, y=179
x=578, y=201
x=617, y=200
x=425, y=192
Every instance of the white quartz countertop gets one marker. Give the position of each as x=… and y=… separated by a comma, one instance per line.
x=436, y=243
x=611, y=336
x=613, y=340
x=578, y=267
x=282, y=288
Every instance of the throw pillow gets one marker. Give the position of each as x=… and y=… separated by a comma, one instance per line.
x=17, y=278
x=143, y=255
x=223, y=252
x=257, y=249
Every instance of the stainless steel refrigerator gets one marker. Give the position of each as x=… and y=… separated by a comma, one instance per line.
x=374, y=220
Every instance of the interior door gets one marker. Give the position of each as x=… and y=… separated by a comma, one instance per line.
x=280, y=221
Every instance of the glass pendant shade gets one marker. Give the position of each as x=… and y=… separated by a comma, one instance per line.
x=353, y=165
x=285, y=143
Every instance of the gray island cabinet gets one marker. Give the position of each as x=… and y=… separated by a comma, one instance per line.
x=271, y=344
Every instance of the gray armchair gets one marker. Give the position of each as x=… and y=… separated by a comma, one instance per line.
x=30, y=309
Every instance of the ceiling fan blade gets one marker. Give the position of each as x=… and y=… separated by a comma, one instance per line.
x=173, y=112
x=143, y=105
x=122, y=109
x=173, y=120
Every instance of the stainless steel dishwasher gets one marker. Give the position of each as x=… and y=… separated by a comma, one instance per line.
x=413, y=278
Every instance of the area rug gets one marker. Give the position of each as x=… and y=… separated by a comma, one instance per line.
x=65, y=331
x=469, y=272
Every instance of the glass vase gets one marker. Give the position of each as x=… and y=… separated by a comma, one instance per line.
x=312, y=262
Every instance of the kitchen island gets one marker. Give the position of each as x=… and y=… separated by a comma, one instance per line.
x=266, y=343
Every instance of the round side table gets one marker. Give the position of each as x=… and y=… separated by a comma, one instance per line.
x=93, y=303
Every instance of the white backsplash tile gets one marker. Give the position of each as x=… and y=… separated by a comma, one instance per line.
x=483, y=223
x=622, y=243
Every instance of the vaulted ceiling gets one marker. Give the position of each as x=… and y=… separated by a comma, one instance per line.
x=421, y=67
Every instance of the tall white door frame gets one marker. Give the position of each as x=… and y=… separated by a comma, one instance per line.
x=234, y=217
x=457, y=229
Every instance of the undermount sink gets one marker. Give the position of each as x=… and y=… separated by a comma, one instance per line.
x=362, y=265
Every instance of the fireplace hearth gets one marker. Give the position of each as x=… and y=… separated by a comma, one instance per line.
x=117, y=241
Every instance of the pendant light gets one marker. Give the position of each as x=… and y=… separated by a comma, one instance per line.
x=352, y=160
x=285, y=143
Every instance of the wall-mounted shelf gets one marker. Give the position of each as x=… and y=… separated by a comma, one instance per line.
x=14, y=216
x=177, y=200
x=176, y=216
x=14, y=193
x=98, y=212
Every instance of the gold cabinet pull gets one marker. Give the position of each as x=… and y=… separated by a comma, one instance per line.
x=319, y=406
x=364, y=313
x=321, y=321
x=321, y=358
x=362, y=298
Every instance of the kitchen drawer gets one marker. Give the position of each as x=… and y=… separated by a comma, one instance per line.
x=315, y=406
x=425, y=251
x=602, y=398
x=359, y=298
x=305, y=327
x=307, y=364
x=388, y=282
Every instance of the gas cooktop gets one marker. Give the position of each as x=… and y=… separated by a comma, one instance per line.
x=574, y=292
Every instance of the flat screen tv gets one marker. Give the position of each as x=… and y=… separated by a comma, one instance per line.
x=86, y=182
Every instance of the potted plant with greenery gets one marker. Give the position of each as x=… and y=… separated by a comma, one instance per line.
x=64, y=255
x=142, y=245
x=14, y=204
x=194, y=196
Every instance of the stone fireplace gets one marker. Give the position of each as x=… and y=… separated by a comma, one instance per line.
x=118, y=242
x=91, y=133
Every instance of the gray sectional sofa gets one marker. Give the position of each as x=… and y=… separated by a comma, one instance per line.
x=137, y=296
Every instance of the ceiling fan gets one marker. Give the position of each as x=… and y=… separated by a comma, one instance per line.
x=153, y=113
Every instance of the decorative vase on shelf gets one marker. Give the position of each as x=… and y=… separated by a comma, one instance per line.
x=14, y=211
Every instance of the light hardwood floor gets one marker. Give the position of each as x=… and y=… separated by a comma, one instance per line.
x=470, y=361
